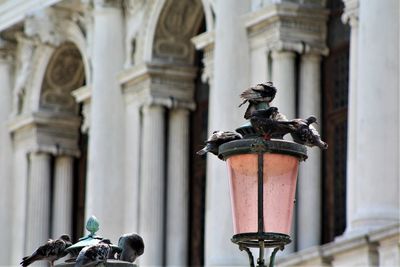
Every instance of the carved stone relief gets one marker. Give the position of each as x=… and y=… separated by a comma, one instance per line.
x=64, y=73
x=178, y=22
x=135, y=18
x=25, y=51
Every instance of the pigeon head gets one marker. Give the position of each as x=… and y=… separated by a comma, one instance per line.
x=65, y=238
x=132, y=246
x=269, y=87
x=105, y=241
x=311, y=120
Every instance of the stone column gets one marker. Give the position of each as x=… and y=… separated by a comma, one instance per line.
x=133, y=159
x=6, y=152
x=224, y=114
x=106, y=169
x=376, y=189
x=351, y=16
x=284, y=79
x=62, y=196
x=309, y=183
x=151, y=216
x=38, y=210
x=178, y=188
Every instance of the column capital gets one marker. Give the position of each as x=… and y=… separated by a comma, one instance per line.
x=315, y=57
x=38, y=152
x=170, y=103
x=54, y=150
x=350, y=14
x=282, y=54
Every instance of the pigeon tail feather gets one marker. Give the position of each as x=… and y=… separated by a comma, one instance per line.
x=202, y=152
x=244, y=102
x=27, y=261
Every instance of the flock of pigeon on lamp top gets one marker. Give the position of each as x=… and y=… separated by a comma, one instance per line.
x=131, y=245
x=267, y=122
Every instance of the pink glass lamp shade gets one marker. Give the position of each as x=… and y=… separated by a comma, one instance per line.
x=279, y=182
x=280, y=163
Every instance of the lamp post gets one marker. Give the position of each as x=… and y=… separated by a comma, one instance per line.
x=262, y=176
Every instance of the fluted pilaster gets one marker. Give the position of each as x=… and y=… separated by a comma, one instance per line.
x=309, y=183
x=62, y=200
x=151, y=215
x=38, y=213
x=177, y=188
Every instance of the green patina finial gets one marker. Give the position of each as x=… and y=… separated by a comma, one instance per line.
x=92, y=225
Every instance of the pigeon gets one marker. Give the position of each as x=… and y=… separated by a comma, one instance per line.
x=306, y=134
x=216, y=139
x=266, y=125
x=94, y=254
x=132, y=246
x=261, y=93
x=51, y=251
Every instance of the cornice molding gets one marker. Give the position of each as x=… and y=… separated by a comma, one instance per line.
x=168, y=85
x=45, y=132
x=204, y=40
x=289, y=27
x=83, y=94
x=43, y=119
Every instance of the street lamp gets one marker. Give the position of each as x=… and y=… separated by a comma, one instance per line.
x=262, y=176
x=263, y=169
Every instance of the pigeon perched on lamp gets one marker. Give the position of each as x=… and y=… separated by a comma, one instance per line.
x=261, y=93
x=132, y=246
x=94, y=254
x=216, y=139
x=264, y=123
x=306, y=134
x=51, y=251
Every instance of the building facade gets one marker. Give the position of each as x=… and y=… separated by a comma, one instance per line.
x=103, y=104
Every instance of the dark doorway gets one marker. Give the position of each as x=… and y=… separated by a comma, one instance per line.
x=198, y=133
x=335, y=102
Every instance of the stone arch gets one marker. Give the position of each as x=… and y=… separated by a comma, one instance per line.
x=70, y=34
x=162, y=15
x=73, y=33
x=64, y=73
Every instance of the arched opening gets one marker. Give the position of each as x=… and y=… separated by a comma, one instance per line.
x=64, y=74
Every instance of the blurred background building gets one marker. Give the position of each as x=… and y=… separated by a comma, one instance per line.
x=103, y=104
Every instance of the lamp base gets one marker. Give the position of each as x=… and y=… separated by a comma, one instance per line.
x=261, y=240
